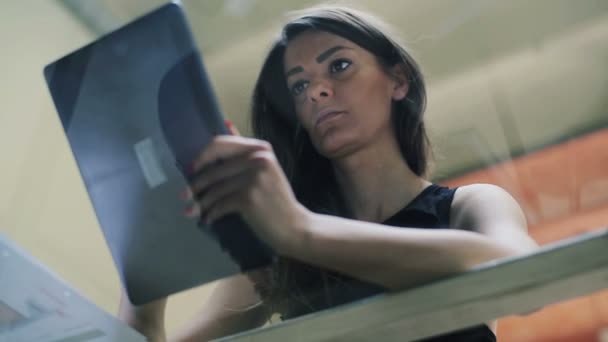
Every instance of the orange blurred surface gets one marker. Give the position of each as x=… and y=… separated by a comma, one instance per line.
x=563, y=190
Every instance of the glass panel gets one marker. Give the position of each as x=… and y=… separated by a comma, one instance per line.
x=516, y=98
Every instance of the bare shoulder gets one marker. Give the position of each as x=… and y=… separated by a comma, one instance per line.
x=479, y=192
x=490, y=210
x=477, y=205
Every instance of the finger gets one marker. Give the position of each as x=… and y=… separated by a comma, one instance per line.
x=232, y=128
x=230, y=204
x=219, y=172
x=186, y=194
x=193, y=210
x=226, y=146
x=233, y=187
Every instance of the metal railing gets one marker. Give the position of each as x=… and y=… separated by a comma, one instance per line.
x=556, y=272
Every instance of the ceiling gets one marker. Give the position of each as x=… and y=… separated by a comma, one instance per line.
x=504, y=77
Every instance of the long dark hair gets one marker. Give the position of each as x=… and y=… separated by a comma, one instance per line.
x=273, y=119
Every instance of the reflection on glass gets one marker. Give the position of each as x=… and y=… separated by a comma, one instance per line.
x=516, y=98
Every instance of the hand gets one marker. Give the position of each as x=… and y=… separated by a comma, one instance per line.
x=240, y=175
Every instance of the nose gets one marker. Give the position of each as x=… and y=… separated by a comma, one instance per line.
x=320, y=90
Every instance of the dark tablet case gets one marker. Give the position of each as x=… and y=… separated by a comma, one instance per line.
x=137, y=107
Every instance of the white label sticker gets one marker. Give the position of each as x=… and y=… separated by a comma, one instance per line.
x=149, y=163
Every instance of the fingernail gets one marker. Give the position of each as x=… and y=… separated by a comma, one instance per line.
x=228, y=124
x=190, y=211
x=186, y=194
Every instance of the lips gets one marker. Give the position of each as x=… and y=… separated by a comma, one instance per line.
x=326, y=115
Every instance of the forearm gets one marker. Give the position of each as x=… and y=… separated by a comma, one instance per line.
x=234, y=306
x=147, y=319
x=389, y=256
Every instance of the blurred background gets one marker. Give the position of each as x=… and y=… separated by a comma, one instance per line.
x=517, y=97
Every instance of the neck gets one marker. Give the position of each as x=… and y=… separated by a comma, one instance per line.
x=376, y=182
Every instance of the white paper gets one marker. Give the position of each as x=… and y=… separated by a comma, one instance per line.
x=35, y=305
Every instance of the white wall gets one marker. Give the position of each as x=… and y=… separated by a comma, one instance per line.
x=43, y=204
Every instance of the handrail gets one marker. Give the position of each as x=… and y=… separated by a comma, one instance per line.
x=556, y=272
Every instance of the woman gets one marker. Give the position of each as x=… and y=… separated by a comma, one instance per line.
x=335, y=184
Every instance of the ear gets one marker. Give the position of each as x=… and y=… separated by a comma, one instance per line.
x=401, y=86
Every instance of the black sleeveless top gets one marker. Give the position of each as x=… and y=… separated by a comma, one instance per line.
x=430, y=210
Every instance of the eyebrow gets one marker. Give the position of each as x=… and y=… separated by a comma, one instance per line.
x=320, y=59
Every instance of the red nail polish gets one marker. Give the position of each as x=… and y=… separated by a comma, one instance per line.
x=189, y=211
x=185, y=194
x=228, y=124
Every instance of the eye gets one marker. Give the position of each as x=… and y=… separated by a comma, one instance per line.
x=298, y=87
x=339, y=65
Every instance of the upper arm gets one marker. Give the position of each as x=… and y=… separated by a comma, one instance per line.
x=233, y=306
x=493, y=212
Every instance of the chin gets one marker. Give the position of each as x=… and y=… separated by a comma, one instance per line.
x=336, y=147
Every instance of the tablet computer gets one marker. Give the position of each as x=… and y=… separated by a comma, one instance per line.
x=137, y=106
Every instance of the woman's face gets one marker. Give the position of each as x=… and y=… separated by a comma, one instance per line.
x=341, y=93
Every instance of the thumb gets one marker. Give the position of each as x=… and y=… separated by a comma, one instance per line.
x=231, y=127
